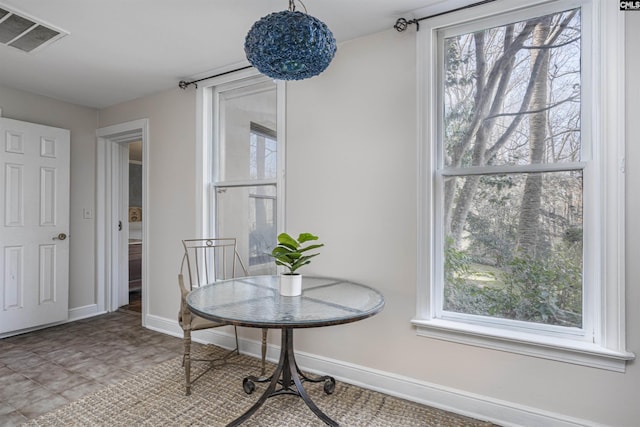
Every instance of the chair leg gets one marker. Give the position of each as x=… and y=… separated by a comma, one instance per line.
x=235, y=329
x=186, y=361
x=264, y=350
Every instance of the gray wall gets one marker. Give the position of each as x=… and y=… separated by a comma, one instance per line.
x=81, y=121
x=352, y=180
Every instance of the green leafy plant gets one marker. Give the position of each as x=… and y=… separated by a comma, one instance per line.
x=291, y=253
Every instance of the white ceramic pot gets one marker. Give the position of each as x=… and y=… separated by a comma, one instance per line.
x=290, y=285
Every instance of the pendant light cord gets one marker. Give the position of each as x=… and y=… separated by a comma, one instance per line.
x=292, y=6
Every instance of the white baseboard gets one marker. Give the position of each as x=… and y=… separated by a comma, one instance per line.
x=222, y=337
x=73, y=315
x=480, y=407
x=84, y=312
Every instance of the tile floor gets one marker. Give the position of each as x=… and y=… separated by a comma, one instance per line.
x=43, y=370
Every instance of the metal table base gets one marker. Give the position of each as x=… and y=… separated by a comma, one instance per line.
x=289, y=378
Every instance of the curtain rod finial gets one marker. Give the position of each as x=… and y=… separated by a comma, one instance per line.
x=184, y=84
x=402, y=24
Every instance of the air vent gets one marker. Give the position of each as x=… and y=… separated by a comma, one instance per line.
x=26, y=33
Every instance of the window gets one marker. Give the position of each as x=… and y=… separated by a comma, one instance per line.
x=244, y=168
x=515, y=252
x=262, y=200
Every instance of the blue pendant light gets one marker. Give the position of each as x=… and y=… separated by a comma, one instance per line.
x=290, y=45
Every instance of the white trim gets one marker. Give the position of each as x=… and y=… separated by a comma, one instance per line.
x=246, y=183
x=472, y=405
x=605, y=345
x=84, y=312
x=530, y=344
x=77, y=313
x=281, y=130
x=203, y=152
x=121, y=294
x=613, y=96
x=505, y=169
x=106, y=201
x=497, y=411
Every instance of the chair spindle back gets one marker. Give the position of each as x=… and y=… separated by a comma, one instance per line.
x=209, y=260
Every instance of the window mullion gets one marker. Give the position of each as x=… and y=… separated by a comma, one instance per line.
x=507, y=169
x=245, y=183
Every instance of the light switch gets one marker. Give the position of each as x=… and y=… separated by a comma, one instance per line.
x=87, y=213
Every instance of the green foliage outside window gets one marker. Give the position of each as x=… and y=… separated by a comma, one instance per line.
x=545, y=290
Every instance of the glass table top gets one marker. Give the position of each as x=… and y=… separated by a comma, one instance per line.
x=255, y=301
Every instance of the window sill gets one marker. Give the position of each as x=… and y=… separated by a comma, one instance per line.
x=546, y=347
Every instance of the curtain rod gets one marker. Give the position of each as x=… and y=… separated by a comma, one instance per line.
x=185, y=84
x=402, y=24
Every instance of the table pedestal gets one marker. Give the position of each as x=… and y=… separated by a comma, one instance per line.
x=288, y=376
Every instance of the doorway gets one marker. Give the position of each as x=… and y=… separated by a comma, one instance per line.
x=134, y=220
x=113, y=214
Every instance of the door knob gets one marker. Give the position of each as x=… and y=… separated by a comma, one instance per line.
x=60, y=236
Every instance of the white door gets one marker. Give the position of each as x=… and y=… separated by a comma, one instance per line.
x=34, y=225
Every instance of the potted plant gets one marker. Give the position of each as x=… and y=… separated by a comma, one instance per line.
x=293, y=254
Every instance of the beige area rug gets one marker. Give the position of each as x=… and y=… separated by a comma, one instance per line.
x=156, y=398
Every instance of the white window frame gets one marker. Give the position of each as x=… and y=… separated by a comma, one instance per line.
x=601, y=342
x=207, y=142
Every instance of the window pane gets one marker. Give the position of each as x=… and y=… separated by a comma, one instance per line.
x=511, y=94
x=262, y=155
x=244, y=152
x=249, y=214
x=513, y=247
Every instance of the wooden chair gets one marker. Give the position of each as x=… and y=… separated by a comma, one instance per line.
x=206, y=261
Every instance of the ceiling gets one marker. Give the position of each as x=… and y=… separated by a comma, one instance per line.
x=118, y=50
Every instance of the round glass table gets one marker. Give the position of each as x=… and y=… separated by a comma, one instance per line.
x=255, y=302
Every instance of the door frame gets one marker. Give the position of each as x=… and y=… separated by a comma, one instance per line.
x=110, y=243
